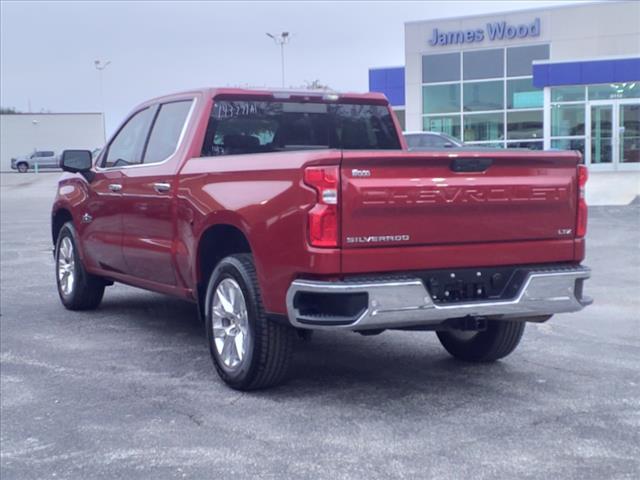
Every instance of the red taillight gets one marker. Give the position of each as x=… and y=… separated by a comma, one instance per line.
x=581, y=224
x=323, y=217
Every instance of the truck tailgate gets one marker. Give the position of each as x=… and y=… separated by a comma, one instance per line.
x=455, y=198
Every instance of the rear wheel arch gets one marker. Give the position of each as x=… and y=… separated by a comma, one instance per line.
x=217, y=242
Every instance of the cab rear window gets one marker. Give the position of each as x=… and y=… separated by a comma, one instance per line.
x=240, y=127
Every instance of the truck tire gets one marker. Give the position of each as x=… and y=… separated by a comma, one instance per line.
x=500, y=338
x=22, y=167
x=78, y=290
x=249, y=350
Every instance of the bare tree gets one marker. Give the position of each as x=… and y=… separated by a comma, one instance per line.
x=316, y=85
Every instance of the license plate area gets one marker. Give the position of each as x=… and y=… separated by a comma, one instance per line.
x=473, y=284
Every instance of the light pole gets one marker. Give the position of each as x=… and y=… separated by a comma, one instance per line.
x=280, y=39
x=35, y=124
x=100, y=66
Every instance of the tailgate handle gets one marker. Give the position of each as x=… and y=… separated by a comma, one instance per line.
x=470, y=164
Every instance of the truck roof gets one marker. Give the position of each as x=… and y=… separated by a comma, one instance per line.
x=373, y=97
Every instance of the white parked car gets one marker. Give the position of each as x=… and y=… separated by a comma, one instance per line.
x=44, y=159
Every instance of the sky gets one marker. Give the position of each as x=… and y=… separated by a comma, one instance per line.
x=48, y=48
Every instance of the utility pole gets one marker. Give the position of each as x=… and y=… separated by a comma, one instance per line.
x=35, y=124
x=280, y=39
x=100, y=66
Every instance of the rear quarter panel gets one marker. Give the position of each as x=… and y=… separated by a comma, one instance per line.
x=262, y=195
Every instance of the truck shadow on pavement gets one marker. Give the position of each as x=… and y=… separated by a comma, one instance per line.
x=401, y=363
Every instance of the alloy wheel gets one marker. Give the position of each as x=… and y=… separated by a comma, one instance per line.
x=230, y=323
x=66, y=266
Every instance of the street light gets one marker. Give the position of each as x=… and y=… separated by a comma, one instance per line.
x=100, y=66
x=280, y=40
x=35, y=124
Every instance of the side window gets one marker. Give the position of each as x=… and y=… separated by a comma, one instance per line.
x=242, y=135
x=421, y=140
x=425, y=140
x=126, y=148
x=413, y=141
x=439, y=142
x=166, y=131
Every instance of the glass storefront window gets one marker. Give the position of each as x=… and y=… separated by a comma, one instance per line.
x=480, y=96
x=443, y=67
x=568, y=144
x=568, y=94
x=602, y=151
x=629, y=128
x=522, y=125
x=602, y=133
x=400, y=113
x=567, y=120
x=483, y=64
x=449, y=124
x=519, y=59
x=522, y=94
x=483, y=126
x=614, y=90
x=527, y=145
x=441, y=98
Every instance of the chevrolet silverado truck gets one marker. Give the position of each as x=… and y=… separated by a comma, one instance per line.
x=282, y=212
x=41, y=158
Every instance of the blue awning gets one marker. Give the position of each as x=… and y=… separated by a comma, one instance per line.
x=586, y=72
x=389, y=81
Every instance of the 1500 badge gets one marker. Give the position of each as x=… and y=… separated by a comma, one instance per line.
x=379, y=239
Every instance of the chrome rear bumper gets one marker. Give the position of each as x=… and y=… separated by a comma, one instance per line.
x=406, y=302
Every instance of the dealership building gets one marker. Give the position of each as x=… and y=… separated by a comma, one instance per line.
x=554, y=78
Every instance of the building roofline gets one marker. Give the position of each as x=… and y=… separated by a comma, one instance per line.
x=587, y=59
x=386, y=68
x=524, y=10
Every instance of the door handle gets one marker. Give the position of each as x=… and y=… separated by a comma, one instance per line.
x=115, y=187
x=161, y=187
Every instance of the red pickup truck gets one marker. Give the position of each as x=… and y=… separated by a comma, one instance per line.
x=280, y=212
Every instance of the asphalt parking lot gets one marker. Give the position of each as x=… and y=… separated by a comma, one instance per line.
x=129, y=391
